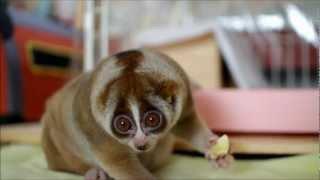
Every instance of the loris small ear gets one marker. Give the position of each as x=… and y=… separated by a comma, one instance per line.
x=167, y=90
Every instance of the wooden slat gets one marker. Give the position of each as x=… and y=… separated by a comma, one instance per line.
x=274, y=144
x=199, y=57
x=21, y=133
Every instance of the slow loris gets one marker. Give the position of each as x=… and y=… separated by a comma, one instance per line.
x=120, y=120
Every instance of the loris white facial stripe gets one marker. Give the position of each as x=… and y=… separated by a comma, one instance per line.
x=135, y=111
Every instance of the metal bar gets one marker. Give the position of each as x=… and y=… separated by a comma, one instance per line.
x=290, y=60
x=88, y=35
x=104, y=31
x=305, y=64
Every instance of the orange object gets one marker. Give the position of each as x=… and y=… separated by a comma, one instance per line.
x=40, y=76
x=3, y=81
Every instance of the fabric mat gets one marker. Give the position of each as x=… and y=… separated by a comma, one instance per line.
x=27, y=162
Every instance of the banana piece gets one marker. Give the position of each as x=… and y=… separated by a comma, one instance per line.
x=220, y=148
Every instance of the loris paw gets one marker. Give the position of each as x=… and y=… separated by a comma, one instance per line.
x=218, y=152
x=222, y=161
x=96, y=174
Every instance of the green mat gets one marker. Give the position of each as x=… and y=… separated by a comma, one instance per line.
x=27, y=162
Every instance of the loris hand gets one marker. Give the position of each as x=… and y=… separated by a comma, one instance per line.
x=219, y=151
x=96, y=174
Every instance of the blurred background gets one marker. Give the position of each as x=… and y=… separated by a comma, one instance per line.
x=257, y=61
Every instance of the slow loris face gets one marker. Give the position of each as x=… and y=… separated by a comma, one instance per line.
x=140, y=99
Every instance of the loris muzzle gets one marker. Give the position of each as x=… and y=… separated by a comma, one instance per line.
x=123, y=117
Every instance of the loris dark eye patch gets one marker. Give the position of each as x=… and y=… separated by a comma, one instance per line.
x=123, y=125
x=153, y=121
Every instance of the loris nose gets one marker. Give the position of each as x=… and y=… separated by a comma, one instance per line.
x=140, y=141
x=142, y=147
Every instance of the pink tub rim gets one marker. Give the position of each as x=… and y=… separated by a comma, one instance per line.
x=285, y=111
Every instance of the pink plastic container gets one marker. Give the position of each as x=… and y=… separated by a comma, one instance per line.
x=260, y=111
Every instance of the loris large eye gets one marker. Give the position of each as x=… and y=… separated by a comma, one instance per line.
x=152, y=120
x=122, y=124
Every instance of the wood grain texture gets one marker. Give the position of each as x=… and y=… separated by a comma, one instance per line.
x=199, y=57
